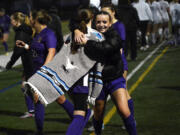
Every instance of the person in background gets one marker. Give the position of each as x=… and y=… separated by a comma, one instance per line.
x=176, y=22
x=43, y=48
x=145, y=15
x=157, y=20
x=4, y=25
x=128, y=15
x=166, y=15
x=55, y=25
x=23, y=31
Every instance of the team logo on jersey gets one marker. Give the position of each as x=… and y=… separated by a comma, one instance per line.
x=34, y=53
x=39, y=39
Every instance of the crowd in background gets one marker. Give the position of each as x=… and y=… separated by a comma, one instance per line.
x=38, y=38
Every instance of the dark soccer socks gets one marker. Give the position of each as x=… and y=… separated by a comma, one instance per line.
x=39, y=116
x=76, y=125
x=130, y=125
x=68, y=107
x=5, y=46
x=97, y=126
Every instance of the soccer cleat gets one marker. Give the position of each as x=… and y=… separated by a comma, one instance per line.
x=142, y=48
x=27, y=115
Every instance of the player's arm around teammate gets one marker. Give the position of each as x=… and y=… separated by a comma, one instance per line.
x=112, y=73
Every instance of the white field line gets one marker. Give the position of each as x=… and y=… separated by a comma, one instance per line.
x=143, y=61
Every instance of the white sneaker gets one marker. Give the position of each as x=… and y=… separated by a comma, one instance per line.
x=147, y=46
x=123, y=127
x=91, y=128
x=27, y=115
x=92, y=113
x=142, y=48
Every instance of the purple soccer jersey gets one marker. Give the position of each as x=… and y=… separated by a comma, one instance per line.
x=41, y=43
x=122, y=33
x=5, y=23
x=120, y=29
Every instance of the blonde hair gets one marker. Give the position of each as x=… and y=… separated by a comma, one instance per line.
x=22, y=18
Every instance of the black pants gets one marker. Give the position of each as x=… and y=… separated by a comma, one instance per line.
x=143, y=29
x=131, y=41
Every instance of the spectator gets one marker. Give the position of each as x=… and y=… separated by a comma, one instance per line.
x=4, y=26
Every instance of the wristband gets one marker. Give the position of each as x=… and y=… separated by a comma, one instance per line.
x=26, y=46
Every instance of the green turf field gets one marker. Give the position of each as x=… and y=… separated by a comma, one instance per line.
x=156, y=99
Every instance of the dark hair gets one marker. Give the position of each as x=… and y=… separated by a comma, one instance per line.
x=2, y=10
x=84, y=15
x=103, y=2
x=113, y=9
x=104, y=13
x=53, y=10
x=42, y=17
x=110, y=6
x=136, y=1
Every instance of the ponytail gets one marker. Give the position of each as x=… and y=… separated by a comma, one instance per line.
x=27, y=21
x=83, y=27
x=42, y=17
x=85, y=16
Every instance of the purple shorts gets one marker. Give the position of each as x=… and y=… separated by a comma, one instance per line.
x=6, y=32
x=112, y=86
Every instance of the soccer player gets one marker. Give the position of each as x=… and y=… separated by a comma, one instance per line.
x=23, y=31
x=157, y=19
x=43, y=48
x=119, y=26
x=145, y=16
x=5, y=25
x=112, y=74
x=176, y=22
x=166, y=12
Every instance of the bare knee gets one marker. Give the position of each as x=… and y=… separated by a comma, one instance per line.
x=61, y=99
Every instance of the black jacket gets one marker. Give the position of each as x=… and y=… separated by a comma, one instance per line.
x=108, y=53
x=24, y=33
x=129, y=16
